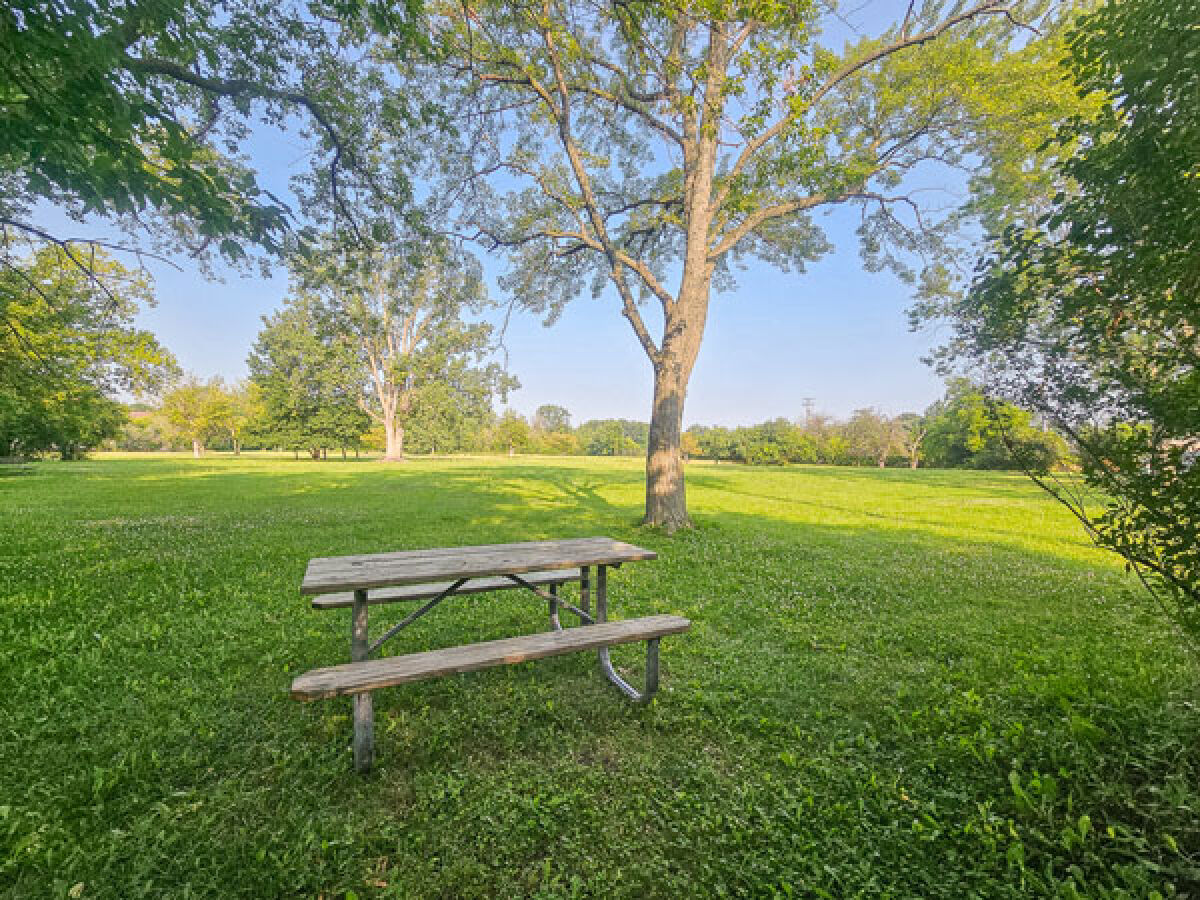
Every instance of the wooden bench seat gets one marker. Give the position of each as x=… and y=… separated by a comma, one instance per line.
x=354, y=678
x=407, y=592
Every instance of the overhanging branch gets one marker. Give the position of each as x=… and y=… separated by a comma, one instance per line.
x=243, y=87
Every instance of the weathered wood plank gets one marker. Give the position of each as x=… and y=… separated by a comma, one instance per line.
x=425, y=591
x=343, y=573
x=356, y=678
x=455, y=551
x=564, y=548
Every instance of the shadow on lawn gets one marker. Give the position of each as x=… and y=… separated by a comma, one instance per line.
x=840, y=682
x=471, y=503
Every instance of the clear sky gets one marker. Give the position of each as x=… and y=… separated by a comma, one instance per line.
x=836, y=334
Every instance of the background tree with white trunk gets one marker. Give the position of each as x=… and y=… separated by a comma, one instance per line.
x=399, y=315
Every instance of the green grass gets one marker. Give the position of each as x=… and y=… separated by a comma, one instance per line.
x=909, y=684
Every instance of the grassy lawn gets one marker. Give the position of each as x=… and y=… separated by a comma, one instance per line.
x=909, y=684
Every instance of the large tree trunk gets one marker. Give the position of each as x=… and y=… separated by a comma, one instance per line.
x=666, y=496
x=393, y=433
x=197, y=448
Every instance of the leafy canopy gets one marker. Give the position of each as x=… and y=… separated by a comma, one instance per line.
x=138, y=113
x=615, y=143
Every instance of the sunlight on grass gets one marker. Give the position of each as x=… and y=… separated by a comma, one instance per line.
x=898, y=683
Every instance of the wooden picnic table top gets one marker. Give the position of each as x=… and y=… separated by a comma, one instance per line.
x=352, y=573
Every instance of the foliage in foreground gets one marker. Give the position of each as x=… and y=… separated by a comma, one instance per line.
x=1092, y=317
x=898, y=684
x=136, y=113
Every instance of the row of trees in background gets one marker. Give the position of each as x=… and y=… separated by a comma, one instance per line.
x=374, y=355
x=216, y=415
x=962, y=430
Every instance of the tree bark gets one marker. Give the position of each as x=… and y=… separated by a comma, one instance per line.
x=666, y=495
x=394, y=440
x=197, y=448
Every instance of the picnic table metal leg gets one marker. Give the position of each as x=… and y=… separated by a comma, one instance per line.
x=651, y=669
x=585, y=589
x=606, y=665
x=601, y=593
x=364, y=710
x=553, y=604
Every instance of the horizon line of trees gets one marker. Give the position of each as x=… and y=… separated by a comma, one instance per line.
x=961, y=430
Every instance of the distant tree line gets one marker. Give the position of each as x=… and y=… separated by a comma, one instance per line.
x=961, y=430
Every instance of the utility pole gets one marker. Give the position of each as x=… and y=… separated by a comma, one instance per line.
x=808, y=410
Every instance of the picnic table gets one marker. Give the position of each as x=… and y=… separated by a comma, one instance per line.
x=435, y=575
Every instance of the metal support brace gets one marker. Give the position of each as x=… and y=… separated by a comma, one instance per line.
x=606, y=665
x=585, y=591
x=413, y=616
x=554, y=600
x=364, y=710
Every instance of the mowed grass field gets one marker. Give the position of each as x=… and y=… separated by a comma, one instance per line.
x=897, y=684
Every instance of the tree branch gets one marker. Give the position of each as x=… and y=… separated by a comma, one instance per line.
x=765, y=214
x=563, y=118
x=243, y=87
x=987, y=7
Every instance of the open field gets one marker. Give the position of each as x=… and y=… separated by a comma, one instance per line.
x=909, y=684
